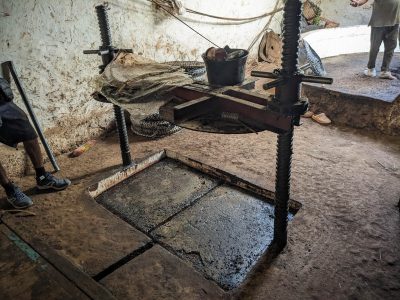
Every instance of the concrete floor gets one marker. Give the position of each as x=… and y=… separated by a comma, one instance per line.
x=343, y=243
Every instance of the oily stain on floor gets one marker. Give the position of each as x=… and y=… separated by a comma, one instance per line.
x=219, y=230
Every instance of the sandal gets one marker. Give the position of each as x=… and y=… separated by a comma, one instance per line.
x=321, y=119
x=308, y=114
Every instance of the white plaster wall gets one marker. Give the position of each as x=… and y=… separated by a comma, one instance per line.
x=340, y=11
x=342, y=40
x=45, y=40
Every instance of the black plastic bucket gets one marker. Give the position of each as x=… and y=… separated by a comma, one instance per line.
x=228, y=72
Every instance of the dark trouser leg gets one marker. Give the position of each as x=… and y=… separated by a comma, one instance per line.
x=35, y=154
x=390, y=42
x=377, y=35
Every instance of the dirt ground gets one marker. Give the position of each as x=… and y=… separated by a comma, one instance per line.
x=343, y=243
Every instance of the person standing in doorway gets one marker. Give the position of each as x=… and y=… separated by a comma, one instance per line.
x=384, y=24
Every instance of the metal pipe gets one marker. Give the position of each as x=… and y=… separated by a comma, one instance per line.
x=317, y=79
x=273, y=84
x=29, y=108
x=264, y=74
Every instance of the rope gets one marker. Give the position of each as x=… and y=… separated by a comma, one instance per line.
x=180, y=20
x=234, y=19
x=153, y=126
x=266, y=27
x=177, y=7
x=168, y=5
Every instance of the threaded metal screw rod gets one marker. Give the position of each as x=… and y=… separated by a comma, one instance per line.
x=107, y=57
x=289, y=93
x=104, y=25
x=287, y=102
x=282, y=187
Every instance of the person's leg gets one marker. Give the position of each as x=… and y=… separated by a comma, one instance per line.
x=4, y=181
x=34, y=152
x=377, y=34
x=390, y=42
x=44, y=180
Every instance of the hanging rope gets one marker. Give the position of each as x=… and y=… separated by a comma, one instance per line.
x=235, y=19
x=266, y=27
x=180, y=20
x=176, y=7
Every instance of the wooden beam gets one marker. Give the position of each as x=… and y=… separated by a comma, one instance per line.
x=195, y=108
x=254, y=114
x=249, y=96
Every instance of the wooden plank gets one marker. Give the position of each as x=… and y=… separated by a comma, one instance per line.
x=251, y=108
x=188, y=93
x=83, y=232
x=200, y=89
x=248, y=84
x=194, y=108
x=93, y=289
x=249, y=96
x=255, y=114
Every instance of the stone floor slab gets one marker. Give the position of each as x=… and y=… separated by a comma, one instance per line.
x=152, y=196
x=158, y=274
x=24, y=274
x=222, y=235
x=78, y=228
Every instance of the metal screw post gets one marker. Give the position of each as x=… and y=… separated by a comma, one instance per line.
x=287, y=101
x=289, y=93
x=107, y=52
